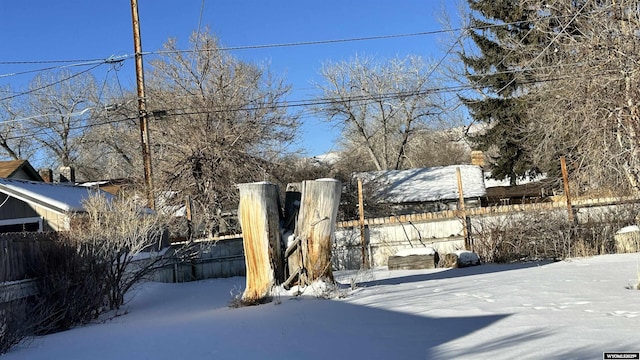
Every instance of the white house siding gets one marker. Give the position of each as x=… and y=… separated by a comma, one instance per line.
x=53, y=221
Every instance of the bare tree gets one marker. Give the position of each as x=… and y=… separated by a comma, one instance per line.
x=382, y=105
x=217, y=122
x=58, y=107
x=438, y=148
x=13, y=142
x=588, y=99
x=123, y=235
x=110, y=147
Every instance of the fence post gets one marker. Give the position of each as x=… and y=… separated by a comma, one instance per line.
x=316, y=226
x=363, y=239
x=259, y=217
x=565, y=181
x=461, y=211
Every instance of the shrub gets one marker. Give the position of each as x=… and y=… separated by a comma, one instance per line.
x=70, y=290
x=521, y=236
x=126, y=238
x=13, y=325
x=71, y=286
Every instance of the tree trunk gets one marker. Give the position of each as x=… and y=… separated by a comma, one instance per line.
x=259, y=216
x=293, y=254
x=316, y=225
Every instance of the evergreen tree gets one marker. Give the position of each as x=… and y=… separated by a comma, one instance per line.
x=504, y=35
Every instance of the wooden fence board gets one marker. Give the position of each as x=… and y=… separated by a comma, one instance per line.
x=500, y=209
x=20, y=253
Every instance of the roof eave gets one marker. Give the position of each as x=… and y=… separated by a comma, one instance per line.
x=34, y=201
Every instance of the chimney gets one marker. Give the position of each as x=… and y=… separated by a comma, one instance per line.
x=67, y=174
x=46, y=175
x=477, y=158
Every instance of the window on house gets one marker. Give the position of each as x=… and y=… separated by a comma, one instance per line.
x=32, y=224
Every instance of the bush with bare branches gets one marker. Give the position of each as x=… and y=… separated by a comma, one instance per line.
x=71, y=286
x=521, y=236
x=70, y=290
x=126, y=237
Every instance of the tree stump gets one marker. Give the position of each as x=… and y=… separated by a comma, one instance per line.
x=413, y=259
x=316, y=226
x=459, y=259
x=259, y=216
x=627, y=239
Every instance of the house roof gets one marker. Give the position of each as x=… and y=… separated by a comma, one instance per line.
x=9, y=168
x=112, y=186
x=55, y=196
x=425, y=184
x=490, y=182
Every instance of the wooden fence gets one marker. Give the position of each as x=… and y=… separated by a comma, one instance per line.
x=481, y=211
x=20, y=253
x=444, y=230
x=224, y=257
x=215, y=258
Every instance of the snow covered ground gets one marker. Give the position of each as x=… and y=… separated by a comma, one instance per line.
x=572, y=309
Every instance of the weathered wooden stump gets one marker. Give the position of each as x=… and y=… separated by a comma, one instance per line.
x=316, y=225
x=627, y=239
x=259, y=216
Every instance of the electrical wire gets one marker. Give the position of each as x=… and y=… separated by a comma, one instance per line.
x=197, y=38
x=51, y=84
x=297, y=103
x=548, y=45
x=302, y=103
x=54, y=68
x=31, y=62
x=292, y=44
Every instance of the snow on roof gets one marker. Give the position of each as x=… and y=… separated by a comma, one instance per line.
x=628, y=229
x=61, y=197
x=94, y=183
x=425, y=184
x=329, y=158
x=489, y=182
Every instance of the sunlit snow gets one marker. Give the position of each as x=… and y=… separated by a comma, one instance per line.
x=574, y=309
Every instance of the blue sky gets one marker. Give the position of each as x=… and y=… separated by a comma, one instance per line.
x=40, y=30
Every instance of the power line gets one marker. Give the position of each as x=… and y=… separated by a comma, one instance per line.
x=294, y=44
x=549, y=44
x=110, y=60
x=114, y=59
x=302, y=103
x=50, y=84
x=32, y=62
x=355, y=39
x=318, y=101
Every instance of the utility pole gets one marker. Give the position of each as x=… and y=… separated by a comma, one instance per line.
x=142, y=106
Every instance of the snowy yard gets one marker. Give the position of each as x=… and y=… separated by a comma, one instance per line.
x=571, y=309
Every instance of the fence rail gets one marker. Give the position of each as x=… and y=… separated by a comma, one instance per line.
x=444, y=230
x=14, y=290
x=491, y=210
